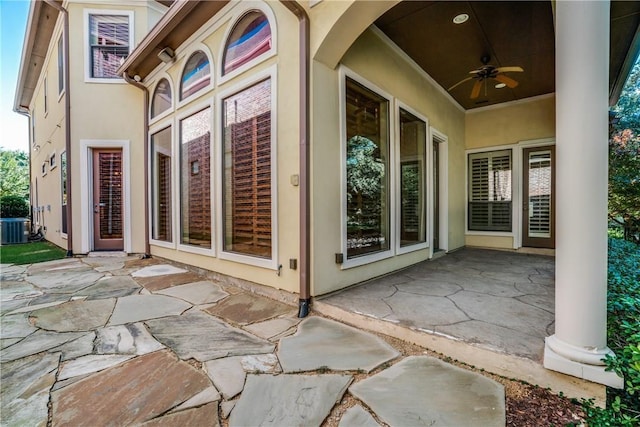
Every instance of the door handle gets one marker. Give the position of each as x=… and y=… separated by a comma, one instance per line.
x=97, y=206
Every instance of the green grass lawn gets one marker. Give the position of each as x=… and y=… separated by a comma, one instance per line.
x=29, y=253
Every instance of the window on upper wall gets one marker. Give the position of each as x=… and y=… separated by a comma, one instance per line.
x=196, y=75
x=52, y=161
x=161, y=183
x=489, y=205
x=161, y=101
x=109, y=44
x=60, y=65
x=250, y=38
x=247, y=183
x=367, y=171
x=413, y=212
x=195, y=189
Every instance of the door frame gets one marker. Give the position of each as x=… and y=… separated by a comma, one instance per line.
x=443, y=190
x=86, y=190
x=100, y=243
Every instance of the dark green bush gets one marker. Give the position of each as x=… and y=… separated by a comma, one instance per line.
x=13, y=207
x=623, y=336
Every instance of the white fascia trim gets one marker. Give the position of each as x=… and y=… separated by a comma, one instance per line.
x=195, y=108
x=427, y=168
x=86, y=190
x=240, y=85
x=86, y=45
x=242, y=8
x=402, y=54
x=343, y=73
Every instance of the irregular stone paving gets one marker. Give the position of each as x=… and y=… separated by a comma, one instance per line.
x=500, y=300
x=128, y=341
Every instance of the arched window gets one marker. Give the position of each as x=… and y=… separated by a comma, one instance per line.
x=196, y=74
x=250, y=38
x=161, y=98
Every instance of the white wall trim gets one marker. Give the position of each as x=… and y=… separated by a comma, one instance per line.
x=443, y=179
x=86, y=190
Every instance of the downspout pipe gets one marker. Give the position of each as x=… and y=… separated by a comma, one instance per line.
x=67, y=121
x=133, y=82
x=304, y=120
x=25, y=112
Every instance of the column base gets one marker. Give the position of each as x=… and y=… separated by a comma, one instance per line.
x=565, y=364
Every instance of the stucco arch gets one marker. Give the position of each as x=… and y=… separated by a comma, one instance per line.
x=337, y=24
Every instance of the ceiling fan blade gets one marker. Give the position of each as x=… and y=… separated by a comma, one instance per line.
x=476, y=89
x=460, y=82
x=509, y=69
x=506, y=80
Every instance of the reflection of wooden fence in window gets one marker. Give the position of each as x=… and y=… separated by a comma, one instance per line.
x=110, y=196
x=251, y=192
x=198, y=174
x=164, y=198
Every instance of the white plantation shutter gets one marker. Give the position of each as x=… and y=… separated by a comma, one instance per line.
x=489, y=206
x=540, y=194
x=109, y=39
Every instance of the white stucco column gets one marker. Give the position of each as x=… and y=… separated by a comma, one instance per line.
x=582, y=78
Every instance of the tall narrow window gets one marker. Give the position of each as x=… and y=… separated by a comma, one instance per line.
x=161, y=183
x=413, y=213
x=490, y=191
x=60, y=64
x=45, y=90
x=63, y=188
x=196, y=74
x=247, y=171
x=250, y=38
x=108, y=43
x=367, y=158
x=195, y=182
x=161, y=101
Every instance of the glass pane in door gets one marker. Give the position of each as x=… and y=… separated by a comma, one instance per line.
x=540, y=187
x=110, y=196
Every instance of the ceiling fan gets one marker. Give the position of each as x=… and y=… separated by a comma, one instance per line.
x=488, y=71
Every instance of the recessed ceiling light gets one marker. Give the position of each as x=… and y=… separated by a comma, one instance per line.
x=460, y=19
x=500, y=85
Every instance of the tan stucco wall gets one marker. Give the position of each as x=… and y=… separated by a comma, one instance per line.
x=511, y=123
x=285, y=113
x=501, y=242
x=375, y=61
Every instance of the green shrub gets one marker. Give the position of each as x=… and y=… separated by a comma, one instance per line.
x=623, y=336
x=13, y=207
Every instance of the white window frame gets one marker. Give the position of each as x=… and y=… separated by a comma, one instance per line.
x=239, y=86
x=45, y=92
x=157, y=127
x=428, y=185
x=44, y=169
x=87, y=46
x=205, y=91
x=152, y=92
x=63, y=234
x=347, y=263
x=61, y=60
x=443, y=180
x=52, y=160
x=247, y=6
x=193, y=109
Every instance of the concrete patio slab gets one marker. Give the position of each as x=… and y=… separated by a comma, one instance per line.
x=322, y=343
x=202, y=337
x=90, y=364
x=422, y=390
x=288, y=400
x=273, y=328
x=74, y=316
x=357, y=416
x=132, y=338
x=130, y=393
x=156, y=283
x=228, y=374
x=16, y=326
x=197, y=293
x=136, y=308
x=244, y=309
x=24, y=389
x=37, y=342
x=111, y=287
x=157, y=270
x=206, y=415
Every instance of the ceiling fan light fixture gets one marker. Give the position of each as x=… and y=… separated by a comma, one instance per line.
x=461, y=18
x=500, y=85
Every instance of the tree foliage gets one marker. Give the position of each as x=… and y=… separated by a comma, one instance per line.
x=14, y=173
x=624, y=159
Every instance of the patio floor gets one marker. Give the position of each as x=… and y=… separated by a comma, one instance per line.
x=497, y=300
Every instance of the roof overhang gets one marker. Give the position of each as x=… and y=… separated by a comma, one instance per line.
x=183, y=18
x=40, y=25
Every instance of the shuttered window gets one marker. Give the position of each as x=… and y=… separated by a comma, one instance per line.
x=489, y=207
x=250, y=38
x=109, y=44
x=540, y=189
x=247, y=215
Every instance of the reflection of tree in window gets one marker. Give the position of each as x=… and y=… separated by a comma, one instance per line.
x=366, y=165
